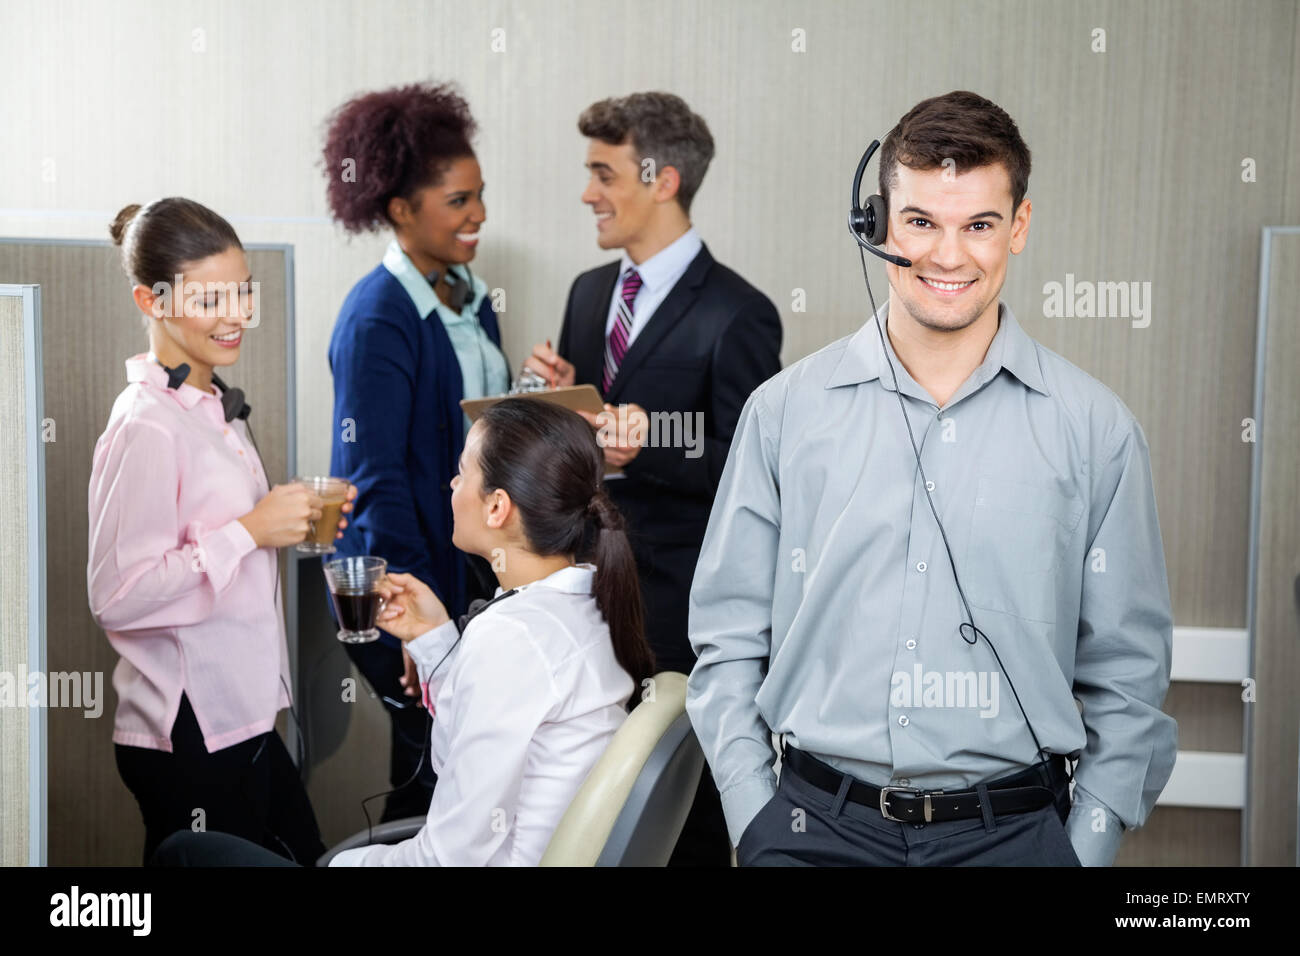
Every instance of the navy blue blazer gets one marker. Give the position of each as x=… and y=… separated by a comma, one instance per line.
x=398, y=432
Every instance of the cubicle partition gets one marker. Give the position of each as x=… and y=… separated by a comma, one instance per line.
x=1272, y=746
x=89, y=327
x=22, y=580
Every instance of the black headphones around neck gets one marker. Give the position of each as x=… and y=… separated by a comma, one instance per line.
x=460, y=288
x=232, y=406
x=478, y=606
x=232, y=399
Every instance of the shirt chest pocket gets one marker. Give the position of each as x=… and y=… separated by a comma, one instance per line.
x=227, y=464
x=1019, y=535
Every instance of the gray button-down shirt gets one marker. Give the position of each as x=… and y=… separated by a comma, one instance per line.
x=824, y=606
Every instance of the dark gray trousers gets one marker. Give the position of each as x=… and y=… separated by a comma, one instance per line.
x=803, y=825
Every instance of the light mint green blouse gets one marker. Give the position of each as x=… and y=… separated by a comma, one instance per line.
x=482, y=365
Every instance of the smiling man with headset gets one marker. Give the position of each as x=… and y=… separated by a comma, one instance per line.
x=929, y=509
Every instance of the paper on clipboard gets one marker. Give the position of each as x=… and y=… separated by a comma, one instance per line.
x=573, y=397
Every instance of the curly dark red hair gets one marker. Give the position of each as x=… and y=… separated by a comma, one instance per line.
x=399, y=141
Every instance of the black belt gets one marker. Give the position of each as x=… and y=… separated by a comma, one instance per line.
x=1017, y=793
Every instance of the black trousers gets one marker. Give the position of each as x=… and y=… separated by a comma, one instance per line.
x=251, y=789
x=215, y=849
x=665, y=571
x=803, y=825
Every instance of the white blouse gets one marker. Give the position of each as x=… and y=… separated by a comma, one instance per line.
x=524, y=704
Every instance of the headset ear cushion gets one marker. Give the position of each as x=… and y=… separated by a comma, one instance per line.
x=877, y=220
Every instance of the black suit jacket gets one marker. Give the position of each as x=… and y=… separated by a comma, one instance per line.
x=711, y=342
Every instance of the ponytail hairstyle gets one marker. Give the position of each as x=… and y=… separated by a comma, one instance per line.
x=158, y=239
x=547, y=460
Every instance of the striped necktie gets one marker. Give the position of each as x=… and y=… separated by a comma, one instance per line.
x=616, y=344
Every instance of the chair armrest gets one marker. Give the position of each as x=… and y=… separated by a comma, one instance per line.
x=394, y=831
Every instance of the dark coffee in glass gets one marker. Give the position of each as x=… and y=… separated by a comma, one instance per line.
x=356, y=610
x=354, y=591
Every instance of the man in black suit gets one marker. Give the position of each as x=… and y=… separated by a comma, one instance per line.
x=675, y=341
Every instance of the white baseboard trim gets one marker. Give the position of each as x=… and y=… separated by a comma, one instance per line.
x=1217, y=655
x=1203, y=779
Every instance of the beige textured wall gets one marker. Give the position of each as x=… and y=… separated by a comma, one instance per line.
x=1137, y=154
x=1132, y=147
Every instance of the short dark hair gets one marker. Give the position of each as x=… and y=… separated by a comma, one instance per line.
x=400, y=140
x=960, y=126
x=660, y=126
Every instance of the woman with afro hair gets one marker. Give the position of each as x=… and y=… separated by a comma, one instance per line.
x=414, y=336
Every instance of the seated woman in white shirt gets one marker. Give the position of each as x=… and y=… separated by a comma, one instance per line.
x=525, y=699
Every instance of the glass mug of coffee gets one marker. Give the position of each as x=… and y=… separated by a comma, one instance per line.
x=354, y=591
x=333, y=493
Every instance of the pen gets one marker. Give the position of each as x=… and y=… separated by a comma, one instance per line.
x=548, y=345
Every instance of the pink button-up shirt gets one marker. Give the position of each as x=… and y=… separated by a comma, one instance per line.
x=182, y=591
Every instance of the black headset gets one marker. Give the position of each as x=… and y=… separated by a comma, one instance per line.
x=869, y=227
x=232, y=406
x=460, y=288
x=232, y=399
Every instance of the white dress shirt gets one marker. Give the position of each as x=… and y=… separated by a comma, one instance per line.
x=524, y=704
x=658, y=275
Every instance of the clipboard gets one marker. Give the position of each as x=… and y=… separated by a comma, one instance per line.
x=573, y=397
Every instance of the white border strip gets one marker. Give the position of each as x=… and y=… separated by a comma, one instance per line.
x=1203, y=779
x=1214, y=655
x=104, y=215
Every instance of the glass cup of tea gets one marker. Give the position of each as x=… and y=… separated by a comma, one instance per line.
x=354, y=591
x=333, y=493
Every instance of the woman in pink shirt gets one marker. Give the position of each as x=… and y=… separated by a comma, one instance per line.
x=183, y=574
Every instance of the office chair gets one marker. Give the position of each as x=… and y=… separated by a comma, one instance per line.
x=631, y=808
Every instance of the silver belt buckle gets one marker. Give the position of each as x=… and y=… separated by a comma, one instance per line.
x=884, y=802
